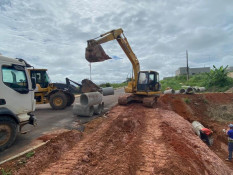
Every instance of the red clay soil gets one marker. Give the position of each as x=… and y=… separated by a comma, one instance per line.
x=45, y=155
x=136, y=140
x=198, y=108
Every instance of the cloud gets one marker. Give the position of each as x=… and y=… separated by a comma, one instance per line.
x=53, y=34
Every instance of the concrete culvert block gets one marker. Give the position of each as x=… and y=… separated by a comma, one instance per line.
x=194, y=89
x=197, y=89
x=202, y=89
x=170, y=91
x=182, y=91
x=189, y=91
x=108, y=91
x=81, y=110
x=102, y=106
x=91, y=98
x=177, y=91
x=98, y=109
x=197, y=126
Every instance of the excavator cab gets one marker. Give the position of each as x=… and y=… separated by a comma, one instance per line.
x=148, y=81
x=144, y=86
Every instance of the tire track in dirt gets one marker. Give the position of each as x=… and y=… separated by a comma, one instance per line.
x=153, y=148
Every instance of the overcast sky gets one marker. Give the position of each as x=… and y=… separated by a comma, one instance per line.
x=52, y=34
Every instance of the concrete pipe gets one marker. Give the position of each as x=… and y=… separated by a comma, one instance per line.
x=108, y=91
x=197, y=89
x=170, y=91
x=81, y=110
x=102, y=106
x=182, y=91
x=98, y=109
x=177, y=91
x=194, y=89
x=91, y=98
x=197, y=126
x=189, y=91
x=202, y=89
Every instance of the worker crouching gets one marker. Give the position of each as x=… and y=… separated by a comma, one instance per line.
x=205, y=135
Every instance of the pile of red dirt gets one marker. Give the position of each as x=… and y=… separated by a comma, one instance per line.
x=213, y=110
x=137, y=140
x=44, y=155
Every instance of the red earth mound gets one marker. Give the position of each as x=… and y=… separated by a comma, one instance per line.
x=137, y=140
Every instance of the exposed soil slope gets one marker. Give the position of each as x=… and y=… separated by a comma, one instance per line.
x=137, y=140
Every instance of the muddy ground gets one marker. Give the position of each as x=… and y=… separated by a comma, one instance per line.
x=137, y=140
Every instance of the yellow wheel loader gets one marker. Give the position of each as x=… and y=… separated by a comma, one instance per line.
x=58, y=95
x=144, y=86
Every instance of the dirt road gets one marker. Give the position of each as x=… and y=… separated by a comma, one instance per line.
x=50, y=120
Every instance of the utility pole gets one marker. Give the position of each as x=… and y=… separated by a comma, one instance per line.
x=187, y=64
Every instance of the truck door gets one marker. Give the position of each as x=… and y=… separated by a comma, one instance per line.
x=16, y=89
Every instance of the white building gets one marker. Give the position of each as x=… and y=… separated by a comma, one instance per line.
x=192, y=71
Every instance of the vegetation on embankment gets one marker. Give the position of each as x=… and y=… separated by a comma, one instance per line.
x=215, y=81
x=114, y=85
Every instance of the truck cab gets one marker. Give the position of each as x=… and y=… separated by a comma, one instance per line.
x=16, y=99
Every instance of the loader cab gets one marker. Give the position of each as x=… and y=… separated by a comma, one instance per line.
x=41, y=77
x=148, y=81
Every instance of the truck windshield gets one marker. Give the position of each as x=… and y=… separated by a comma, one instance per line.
x=15, y=78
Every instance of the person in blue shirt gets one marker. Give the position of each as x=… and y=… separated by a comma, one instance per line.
x=230, y=142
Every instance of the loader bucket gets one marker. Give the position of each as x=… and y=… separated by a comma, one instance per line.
x=96, y=54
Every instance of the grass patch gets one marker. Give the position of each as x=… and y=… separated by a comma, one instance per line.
x=5, y=172
x=114, y=85
x=30, y=154
x=187, y=100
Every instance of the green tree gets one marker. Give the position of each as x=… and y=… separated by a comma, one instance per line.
x=218, y=77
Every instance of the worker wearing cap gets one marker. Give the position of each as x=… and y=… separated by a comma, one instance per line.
x=230, y=142
x=205, y=133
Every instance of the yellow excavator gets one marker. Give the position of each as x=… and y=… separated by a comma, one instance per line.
x=144, y=86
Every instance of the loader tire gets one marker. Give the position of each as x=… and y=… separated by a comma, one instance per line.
x=58, y=101
x=70, y=99
x=8, y=131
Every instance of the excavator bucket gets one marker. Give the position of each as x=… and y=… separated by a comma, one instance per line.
x=96, y=54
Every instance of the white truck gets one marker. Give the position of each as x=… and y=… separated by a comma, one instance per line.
x=16, y=99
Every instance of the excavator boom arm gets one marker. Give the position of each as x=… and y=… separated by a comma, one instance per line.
x=95, y=53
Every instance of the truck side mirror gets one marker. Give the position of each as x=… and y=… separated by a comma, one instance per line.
x=33, y=79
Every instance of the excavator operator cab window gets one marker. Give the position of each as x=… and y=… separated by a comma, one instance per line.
x=151, y=78
x=147, y=81
x=142, y=78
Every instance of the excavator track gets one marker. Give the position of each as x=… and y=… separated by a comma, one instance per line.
x=125, y=99
x=149, y=101
x=146, y=101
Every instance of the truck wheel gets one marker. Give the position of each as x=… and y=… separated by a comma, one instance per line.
x=70, y=99
x=8, y=131
x=58, y=100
